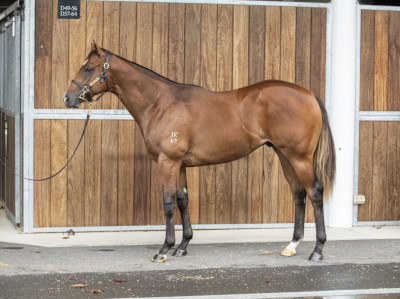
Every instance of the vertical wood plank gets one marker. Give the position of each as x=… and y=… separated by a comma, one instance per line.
x=127, y=30
x=43, y=51
x=257, y=42
x=111, y=43
x=318, y=52
x=256, y=74
x=59, y=60
x=192, y=76
x=381, y=60
x=394, y=61
x=240, y=78
x=303, y=47
x=58, y=185
x=367, y=65
x=288, y=43
x=94, y=31
x=142, y=171
x=208, y=80
x=109, y=173
x=160, y=65
x=272, y=71
x=94, y=24
x=365, y=169
x=126, y=139
x=392, y=173
x=92, y=145
x=272, y=42
x=76, y=175
x=160, y=39
x=176, y=49
x=379, y=174
x=223, y=172
x=288, y=58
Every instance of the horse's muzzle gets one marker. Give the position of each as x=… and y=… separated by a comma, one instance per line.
x=69, y=104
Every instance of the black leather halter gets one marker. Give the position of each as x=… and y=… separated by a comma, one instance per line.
x=85, y=96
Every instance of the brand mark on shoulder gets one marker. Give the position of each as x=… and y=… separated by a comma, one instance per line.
x=174, y=137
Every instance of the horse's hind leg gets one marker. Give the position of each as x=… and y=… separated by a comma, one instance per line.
x=299, y=197
x=315, y=191
x=183, y=202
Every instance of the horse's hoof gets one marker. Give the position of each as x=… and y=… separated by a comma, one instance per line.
x=179, y=252
x=315, y=257
x=288, y=252
x=159, y=258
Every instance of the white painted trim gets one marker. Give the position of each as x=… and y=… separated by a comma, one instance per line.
x=357, y=114
x=109, y=114
x=343, y=90
x=379, y=115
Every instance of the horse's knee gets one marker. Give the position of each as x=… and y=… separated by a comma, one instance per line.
x=299, y=196
x=169, y=201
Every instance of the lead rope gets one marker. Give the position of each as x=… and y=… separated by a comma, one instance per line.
x=69, y=160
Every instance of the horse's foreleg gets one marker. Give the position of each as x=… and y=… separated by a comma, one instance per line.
x=183, y=202
x=169, y=174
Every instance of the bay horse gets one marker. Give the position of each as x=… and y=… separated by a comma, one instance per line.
x=186, y=125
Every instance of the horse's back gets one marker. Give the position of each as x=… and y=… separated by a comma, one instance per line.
x=226, y=126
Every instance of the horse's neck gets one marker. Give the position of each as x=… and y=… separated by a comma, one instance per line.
x=138, y=88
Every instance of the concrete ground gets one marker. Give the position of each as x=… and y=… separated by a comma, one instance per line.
x=363, y=261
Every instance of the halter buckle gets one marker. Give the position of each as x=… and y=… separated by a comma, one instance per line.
x=106, y=66
x=85, y=89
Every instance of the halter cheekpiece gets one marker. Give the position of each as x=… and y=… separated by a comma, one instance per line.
x=85, y=95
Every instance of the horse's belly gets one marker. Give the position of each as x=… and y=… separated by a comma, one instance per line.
x=220, y=149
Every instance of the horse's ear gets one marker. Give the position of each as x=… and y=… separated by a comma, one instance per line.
x=94, y=47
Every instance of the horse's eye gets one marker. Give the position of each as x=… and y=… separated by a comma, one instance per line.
x=89, y=69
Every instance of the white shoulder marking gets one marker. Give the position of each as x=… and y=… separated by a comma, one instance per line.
x=174, y=137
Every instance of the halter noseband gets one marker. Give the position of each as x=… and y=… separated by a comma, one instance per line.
x=86, y=88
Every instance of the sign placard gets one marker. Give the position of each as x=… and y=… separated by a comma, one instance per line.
x=69, y=9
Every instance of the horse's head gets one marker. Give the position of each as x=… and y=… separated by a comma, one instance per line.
x=90, y=80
